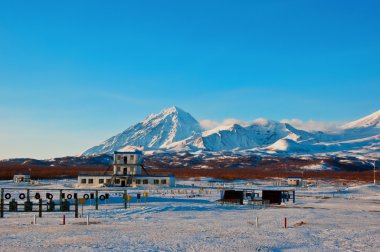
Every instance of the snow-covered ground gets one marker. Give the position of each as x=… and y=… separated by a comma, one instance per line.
x=325, y=217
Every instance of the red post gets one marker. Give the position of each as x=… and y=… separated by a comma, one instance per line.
x=285, y=222
x=64, y=220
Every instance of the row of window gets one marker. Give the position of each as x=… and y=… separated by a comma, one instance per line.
x=155, y=181
x=125, y=157
x=117, y=181
x=125, y=170
x=91, y=181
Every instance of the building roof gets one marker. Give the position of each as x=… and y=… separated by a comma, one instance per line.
x=130, y=150
x=295, y=177
x=153, y=176
x=94, y=175
x=135, y=176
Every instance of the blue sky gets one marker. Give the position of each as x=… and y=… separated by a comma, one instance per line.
x=73, y=73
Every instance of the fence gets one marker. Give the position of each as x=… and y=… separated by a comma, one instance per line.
x=67, y=199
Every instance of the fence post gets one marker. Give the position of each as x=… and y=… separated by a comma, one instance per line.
x=125, y=199
x=96, y=200
x=285, y=222
x=294, y=196
x=34, y=220
x=257, y=221
x=64, y=220
x=28, y=195
x=88, y=220
x=60, y=200
x=2, y=203
x=40, y=208
x=76, y=208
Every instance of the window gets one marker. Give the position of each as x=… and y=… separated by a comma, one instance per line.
x=118, y=157
x=156, y=181
x=101, y=181
x=145, y=181
x=132, y=157
x=83, y=181
x=138, y=181
x=108, y=181
x=163, y=181
x=118, y=168
x=91, y=181
x=117, y=181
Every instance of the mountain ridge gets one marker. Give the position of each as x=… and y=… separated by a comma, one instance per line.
x=174, y=130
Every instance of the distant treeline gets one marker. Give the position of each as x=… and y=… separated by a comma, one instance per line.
x=7, y=170
x=259, y=173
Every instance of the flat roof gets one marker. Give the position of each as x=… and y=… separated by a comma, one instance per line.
x=279, y=189
x=153, y=176
x=95, y=175
x=128, y=152
x=135, y=176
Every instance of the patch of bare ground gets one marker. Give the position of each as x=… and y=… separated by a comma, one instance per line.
x=298, y=224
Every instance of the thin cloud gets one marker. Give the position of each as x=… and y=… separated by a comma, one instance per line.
x=312, y=125
x=211, y=124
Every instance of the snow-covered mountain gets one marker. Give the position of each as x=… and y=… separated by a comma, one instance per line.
x=235, y=137
x=155, y=132
x=174, y=130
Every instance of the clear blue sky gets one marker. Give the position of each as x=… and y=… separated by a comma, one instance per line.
x=73, y=73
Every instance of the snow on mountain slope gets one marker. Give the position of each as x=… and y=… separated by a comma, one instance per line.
x=261, y=132
x=156, y=131
x=286, y=145
x=228, y=138
x=373, y=120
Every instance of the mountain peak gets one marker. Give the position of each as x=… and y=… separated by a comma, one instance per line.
x=172, y=109
x=167, y=112
x=156, y=131
x=372, y=120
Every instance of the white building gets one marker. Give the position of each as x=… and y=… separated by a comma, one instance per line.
x=127, y=169
x=21, y=178
x=295, y=181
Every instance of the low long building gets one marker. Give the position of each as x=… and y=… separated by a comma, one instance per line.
x=96, y=180
x=127, y=171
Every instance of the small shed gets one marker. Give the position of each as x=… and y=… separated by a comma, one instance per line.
x=277, y=196
x=295, y=181
x=21, y=178
x=232, y=196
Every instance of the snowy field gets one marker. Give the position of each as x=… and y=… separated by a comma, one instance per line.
x=326, y=217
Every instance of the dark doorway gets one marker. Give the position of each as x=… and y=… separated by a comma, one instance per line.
x=123, y=183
